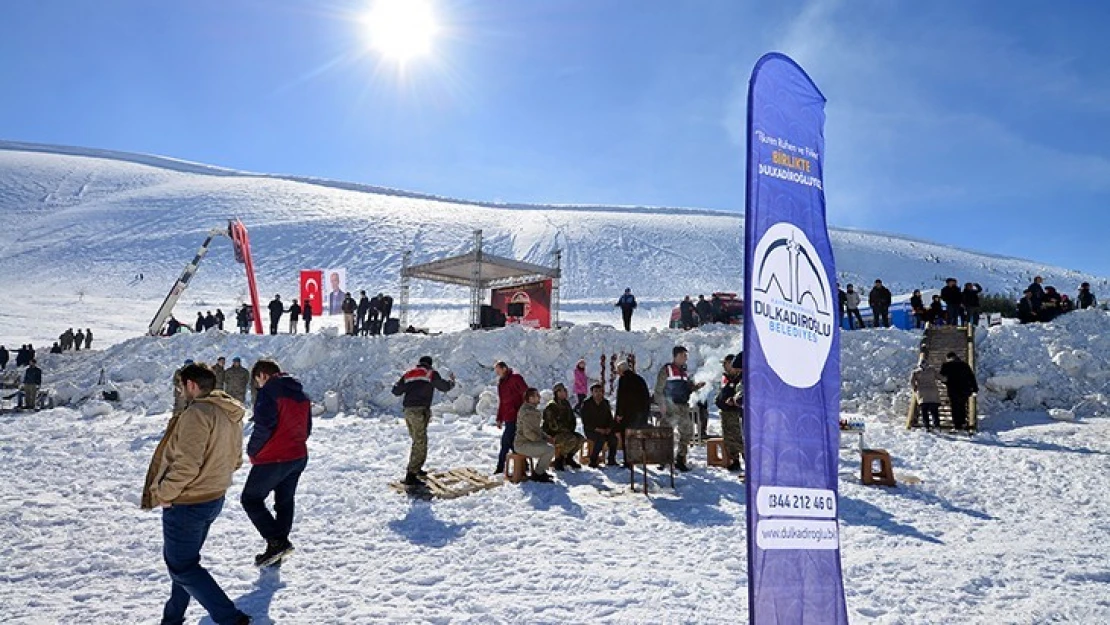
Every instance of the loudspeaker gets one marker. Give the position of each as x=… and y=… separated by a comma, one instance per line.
x=392, y=325
x=491, y=317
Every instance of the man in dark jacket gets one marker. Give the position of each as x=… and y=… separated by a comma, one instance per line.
x=278, y=454
x=1085, y=298
x=276, y=310
x=198, y=325
x=960, y=381
x=32, y=380
x=627, y=303
x=971, y=305
x=730, y=402
x=241, y=321
x=704, y=310
x=1037, y=289
x=560, y=424
x=879, y=300
x=633, y=399
x=349, y=307
x=307, y=312
x=363, y=311
x=1026, y=312
x=219, y=320
x=687, y=312
x=599, y=425
x=4, y=357
x=418, y=385
x=387, y=307
x=79, y=340
x=294, y=316
x=953, y=299
x=510, y=394
x=210, y=321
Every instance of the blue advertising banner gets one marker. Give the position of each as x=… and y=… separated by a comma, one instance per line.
x=791, y=356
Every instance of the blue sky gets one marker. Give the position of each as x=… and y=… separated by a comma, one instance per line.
x=979, y=124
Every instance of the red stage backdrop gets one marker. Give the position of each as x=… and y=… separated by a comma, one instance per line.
x=311, y=281
x=536, y=297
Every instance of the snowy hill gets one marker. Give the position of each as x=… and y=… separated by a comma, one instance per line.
x=87, y=221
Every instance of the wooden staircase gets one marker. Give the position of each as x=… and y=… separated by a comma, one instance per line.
x=935, y=345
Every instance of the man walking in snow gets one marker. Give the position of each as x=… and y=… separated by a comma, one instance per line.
x=276, y=310
x=188, y=477
x=418, y=385
x=510, y=394
x=278, y=454
x=961, y=383
x=627, y=304
x=672, y=392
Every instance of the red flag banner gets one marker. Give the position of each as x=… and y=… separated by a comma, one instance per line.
x=311, y=281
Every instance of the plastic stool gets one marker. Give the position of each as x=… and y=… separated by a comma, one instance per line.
x=868, y=475
x=715, y=453
x=517, y=467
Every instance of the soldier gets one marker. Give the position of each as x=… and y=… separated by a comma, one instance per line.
x=559, y=423
x=730, y=401
x=418, y=385
x=78, y=340
x=530, y=439
x=236, y=379
x=218, y=369
x=672, y=393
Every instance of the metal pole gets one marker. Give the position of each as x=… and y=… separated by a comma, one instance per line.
x=476, y=283
x=555, y=287
x=405, y=258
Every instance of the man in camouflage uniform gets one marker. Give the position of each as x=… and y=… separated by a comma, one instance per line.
x=418, y=385
x=236, y=378
x=218, y=369
x=560, y=423
x=672, y=393
x=730, y=401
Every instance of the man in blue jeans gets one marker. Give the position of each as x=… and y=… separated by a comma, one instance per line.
x=188, y=476
x=278, y=453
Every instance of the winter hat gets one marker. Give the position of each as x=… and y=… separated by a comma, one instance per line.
x=582, y=363
x=425, y=361
x=237, y=359
x=558, y=387
x=188, y=361
x=728, y=358
x=738, y=361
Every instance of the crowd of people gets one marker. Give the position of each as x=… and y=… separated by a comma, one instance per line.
x=551, y=435
x=956, y=305
x=69, y=340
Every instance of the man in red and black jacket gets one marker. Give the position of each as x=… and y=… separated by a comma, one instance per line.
x=510, y=394
x=282, y=425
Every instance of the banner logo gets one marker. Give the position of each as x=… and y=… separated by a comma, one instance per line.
x=793, y=308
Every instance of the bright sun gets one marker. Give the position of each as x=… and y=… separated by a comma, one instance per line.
x=401, y=29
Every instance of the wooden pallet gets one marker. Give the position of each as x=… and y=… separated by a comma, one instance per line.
x=452, y=483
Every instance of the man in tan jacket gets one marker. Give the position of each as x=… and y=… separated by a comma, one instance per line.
x=530, y=439
x=926, y=385
x=188, y=476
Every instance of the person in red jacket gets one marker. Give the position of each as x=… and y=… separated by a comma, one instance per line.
x=278, y=453
x=510, y=394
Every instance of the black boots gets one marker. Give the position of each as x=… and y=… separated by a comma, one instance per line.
x=276, y=549
x=570, y=462
x=412, y=479
x=559, y=464
x=680, y=464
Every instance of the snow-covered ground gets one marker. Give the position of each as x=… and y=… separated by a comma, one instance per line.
x=1009, y=526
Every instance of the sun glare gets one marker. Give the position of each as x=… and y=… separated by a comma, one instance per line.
x=401, y=29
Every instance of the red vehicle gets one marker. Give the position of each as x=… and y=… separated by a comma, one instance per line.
x=731, y=311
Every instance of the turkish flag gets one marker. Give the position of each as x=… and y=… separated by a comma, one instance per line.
x=311, y=279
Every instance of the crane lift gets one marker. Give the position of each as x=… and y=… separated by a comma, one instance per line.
x=235, y=231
